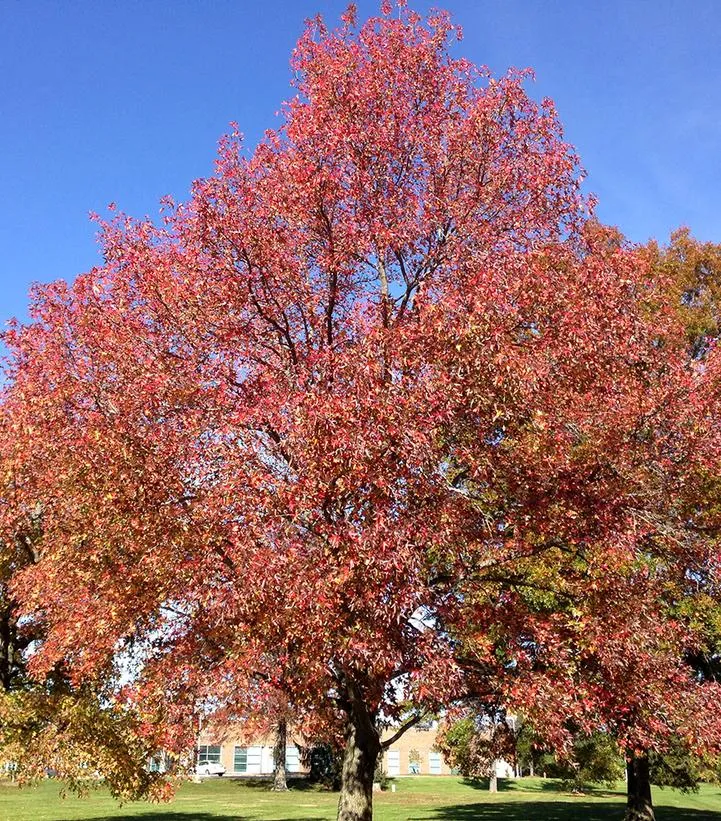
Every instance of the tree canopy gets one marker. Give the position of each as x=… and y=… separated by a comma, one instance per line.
x=379, y=419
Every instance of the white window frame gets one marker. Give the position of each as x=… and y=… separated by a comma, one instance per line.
x=292, y=759
x=236, y=751
x=204, y=754
x=394, y=762
x=255, y=760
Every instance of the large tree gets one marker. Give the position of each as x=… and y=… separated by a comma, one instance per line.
x=363, y=423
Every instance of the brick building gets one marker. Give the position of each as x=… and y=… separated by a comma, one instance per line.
x=412, y=754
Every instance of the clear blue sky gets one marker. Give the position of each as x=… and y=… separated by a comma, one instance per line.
x=106, y=101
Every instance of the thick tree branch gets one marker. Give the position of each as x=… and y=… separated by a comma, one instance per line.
x=401, y=730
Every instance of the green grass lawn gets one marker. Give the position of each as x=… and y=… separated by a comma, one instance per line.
x=415, y=799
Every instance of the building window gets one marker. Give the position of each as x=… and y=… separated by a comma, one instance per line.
x=434, y=763
x=157, y=764
x=292, y=759
x=209, y=754
x=255, y=760
x=240, y=760
x=394, y=762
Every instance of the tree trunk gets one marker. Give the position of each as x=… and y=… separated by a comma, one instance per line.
x=530, y=768
x=6, y=649
x=362, y=748
x=493, y=778
x=639, y=806
x=281, y=740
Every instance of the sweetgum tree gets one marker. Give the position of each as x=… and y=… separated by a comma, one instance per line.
x=375, y=421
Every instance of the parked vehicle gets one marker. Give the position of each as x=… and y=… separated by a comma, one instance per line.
x=210, y=768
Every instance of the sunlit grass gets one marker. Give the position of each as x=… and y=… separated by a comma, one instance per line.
x=415, y=799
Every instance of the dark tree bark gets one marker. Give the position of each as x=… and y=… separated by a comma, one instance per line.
x=22, y=553
x=359, y=763
x=362, y=748
x=12, y=666
x=639, y=806
x=6, y=648
x=281, y=741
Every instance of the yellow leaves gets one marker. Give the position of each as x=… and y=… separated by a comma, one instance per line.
x=689, y=271
x=81, y=739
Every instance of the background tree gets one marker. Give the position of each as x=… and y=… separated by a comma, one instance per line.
x=678, y=767
x=692, y=270
x=414, y=760
x=474, y=743
x=324, y=763
x=51, y=725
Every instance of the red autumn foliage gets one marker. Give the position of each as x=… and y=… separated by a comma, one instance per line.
x=378, y=410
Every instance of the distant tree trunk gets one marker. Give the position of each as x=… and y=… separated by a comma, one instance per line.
x=531, y=771
x=281, y=739
x=12, y=665
x=362, y=748
x=493, y=778
x=639, y=806
x=6, y=649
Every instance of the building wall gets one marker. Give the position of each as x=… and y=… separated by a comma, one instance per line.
x=414, y=751
x=250, y=756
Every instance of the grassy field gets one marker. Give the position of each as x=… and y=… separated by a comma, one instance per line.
x=415, y=799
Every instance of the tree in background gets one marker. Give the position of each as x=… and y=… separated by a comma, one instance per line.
x=473, y=744
x=692, y=270
x=414, y=761
x=596, y=759
x=324, y=762
x=678, y=767
x=53, y=725
x=377, y=419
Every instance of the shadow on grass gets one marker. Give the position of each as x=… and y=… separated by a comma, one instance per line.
x=545, y=786
x=190, y=815
x=165, y=816
x=294, y=784
x=482, y=784
x=558, y=811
